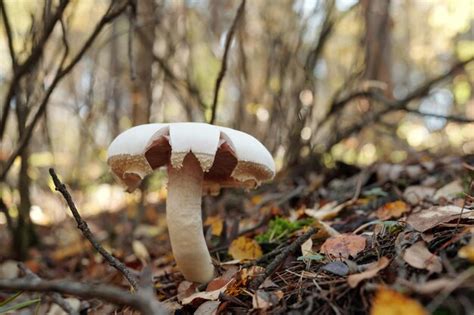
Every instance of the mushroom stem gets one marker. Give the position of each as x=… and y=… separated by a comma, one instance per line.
x=183, y=213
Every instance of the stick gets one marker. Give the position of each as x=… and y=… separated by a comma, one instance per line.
x=141, y=302
x=273, y=266
x=56, y=297
x=82, y=225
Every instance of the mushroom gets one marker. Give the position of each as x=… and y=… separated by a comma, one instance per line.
x=201, y=158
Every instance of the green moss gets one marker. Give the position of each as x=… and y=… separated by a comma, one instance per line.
x=279, y=228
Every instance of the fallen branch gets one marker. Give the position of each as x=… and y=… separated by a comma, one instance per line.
x=82, y=225
x=55, y=297
x=220, y=76
x=273, y=266
x=142, y=302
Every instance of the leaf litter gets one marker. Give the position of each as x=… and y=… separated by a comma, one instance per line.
x=403, y=244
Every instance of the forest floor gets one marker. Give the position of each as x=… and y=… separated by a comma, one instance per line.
x=389, y=239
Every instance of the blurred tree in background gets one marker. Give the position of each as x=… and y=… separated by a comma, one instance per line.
x=317, y=81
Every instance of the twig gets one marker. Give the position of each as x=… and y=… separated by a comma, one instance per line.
x=4, y=209
x=61, y=73
x=140, y=302
x=22, y=69
x=273, y=266
x=82, y=225
x=56, y=297
x=223, y=70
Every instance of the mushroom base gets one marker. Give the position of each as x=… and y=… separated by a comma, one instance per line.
x=183, y=213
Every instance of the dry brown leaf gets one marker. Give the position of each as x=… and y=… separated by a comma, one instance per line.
x=245, y=248
x=392, y=210
x=344, y=245
x=372, y=271
x=389, y=302
x=415, y=194
x=216, y=223
x=429, y=218
x=206, y=295
x=71, y=250
x=420, y=257
x=265, y=299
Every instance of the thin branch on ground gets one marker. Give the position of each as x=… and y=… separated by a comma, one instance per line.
x=273, y=266
x=142, y=302
x=82, y=225
x=55, y=297
x=222, y=71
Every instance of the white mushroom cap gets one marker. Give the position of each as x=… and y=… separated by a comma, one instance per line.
x=229, y=158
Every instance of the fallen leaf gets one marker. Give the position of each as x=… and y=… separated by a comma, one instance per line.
x=372, y=271
x=9, y=269
x=429, y=218
x=326, y=212
x=449, y=191
x=306, y=247
x=336, y=267
x=392, y=210
x=344, y=245
x=216, y=223
x=389, y=302
x=206, y=295
x=265, y=299
x=140, y=250
x=420, y=257
x=429, y=287
x=415, y=194
x=207, y=308
x=467, y=252
x=245, y=248
x=71, y=250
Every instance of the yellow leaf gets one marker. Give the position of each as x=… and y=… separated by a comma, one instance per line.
x=245, y=248
x=467, y=252
x=257, y=199
x=216, y=223
x=389, y=302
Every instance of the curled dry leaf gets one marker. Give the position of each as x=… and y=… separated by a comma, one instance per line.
x=429, y=218
x=326, y=212
x=392, y=210
x=372, y=271
x=420, y=257
x=389, y=302
x=245, y=248
x=140, y=250
x=265, y=299
x=344, y=245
